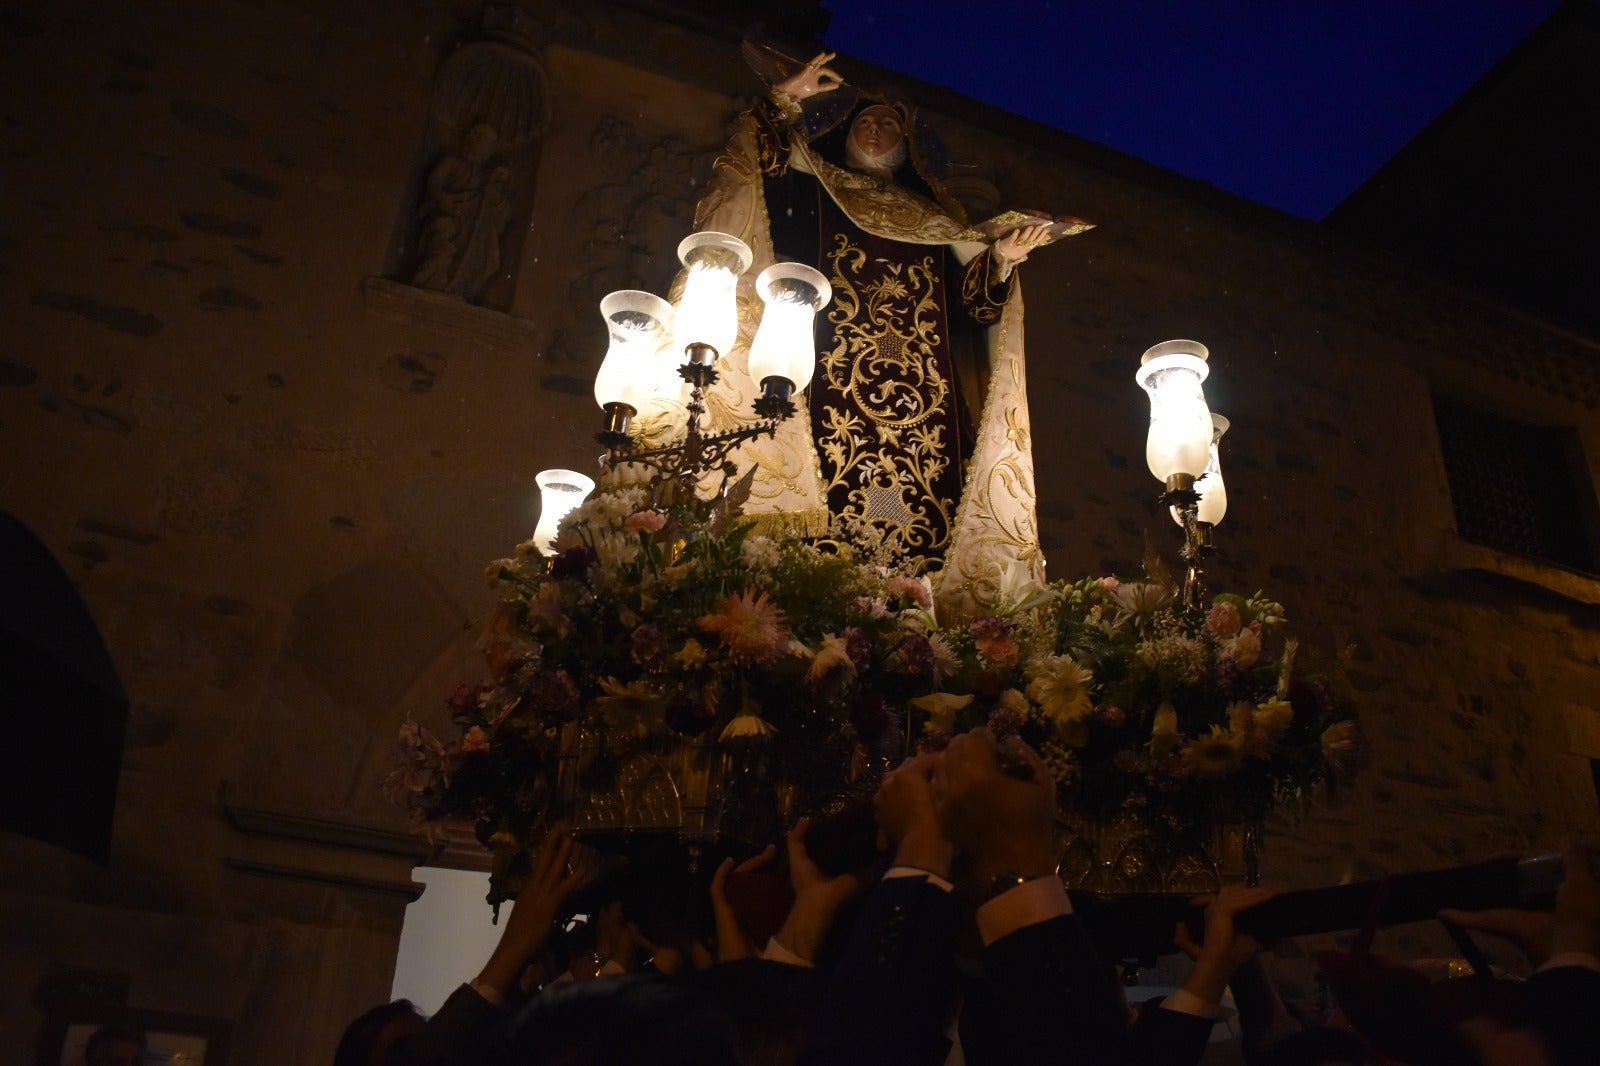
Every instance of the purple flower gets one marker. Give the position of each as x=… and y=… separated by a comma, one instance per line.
x=553, y=695
x=648, y=643
x=859, y=647
x=573, y=562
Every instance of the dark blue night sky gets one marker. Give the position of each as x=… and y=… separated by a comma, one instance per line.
x=1291, y=103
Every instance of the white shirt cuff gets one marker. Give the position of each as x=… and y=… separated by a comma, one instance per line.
x=490, y=995
x=1571, y=958
x=1186, y=1002
x=776, y=952
x=1029, y=903
x=917, y=871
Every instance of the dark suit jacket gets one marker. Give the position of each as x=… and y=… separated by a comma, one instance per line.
x=1046, y=998
x=888, y=998
x=1564, y=1005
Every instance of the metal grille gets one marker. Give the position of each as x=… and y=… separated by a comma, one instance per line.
x=1515, y=487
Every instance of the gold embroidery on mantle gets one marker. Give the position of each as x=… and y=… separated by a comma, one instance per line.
x=887, y=411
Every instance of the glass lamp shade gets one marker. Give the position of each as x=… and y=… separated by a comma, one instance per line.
x=1213, y=493
x=793, y=293
x=1179, y=441
x=639, y=324
x=559, y=492
x=708, y=311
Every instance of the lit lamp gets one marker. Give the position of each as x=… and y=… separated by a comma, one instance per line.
x=1208, y=486
x=783, y=354
x=559, y=492
x=1179, y=446
x=704, y=326
x=707, y=321
x=639, y=324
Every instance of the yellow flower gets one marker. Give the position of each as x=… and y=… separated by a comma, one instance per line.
x=1164, y=730
x=1213, y=755
x=1061, y=689
x=691, y=655
x=630, y=709
x=748, y=727
x=1274, y=716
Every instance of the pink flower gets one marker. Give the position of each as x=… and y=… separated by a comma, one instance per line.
x=475, y=739
x=911, y=589
x=751, y=627
x=1223, y=621
x=993, y=641
x=1109, y=582
x=645, y=522
x=1244, y=649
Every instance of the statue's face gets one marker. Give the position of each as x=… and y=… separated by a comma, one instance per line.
x=877, y=131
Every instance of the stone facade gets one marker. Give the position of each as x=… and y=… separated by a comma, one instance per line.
x=276, y=471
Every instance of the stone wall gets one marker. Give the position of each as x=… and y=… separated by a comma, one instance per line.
x=277, y=474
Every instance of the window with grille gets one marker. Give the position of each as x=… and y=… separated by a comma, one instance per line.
x=1518, y=488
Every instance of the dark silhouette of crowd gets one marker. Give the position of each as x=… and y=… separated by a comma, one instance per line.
x=960, y=945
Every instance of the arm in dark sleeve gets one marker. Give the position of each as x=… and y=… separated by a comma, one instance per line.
x=985, y=288
x=1166, y=1037
x=888, y=998
x=1045, y=997
x=1564, y=1006
x=772, y=130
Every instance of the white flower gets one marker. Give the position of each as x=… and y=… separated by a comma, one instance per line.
x=1140, y=599
x=831, y=668
x=759, y=553
x=1019, y=592
x=945, y=660
x=942, y=708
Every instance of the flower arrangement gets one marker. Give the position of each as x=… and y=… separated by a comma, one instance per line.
x=1139, y=704
x=655, y=627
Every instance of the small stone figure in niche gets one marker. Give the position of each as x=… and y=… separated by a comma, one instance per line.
x=464, y=214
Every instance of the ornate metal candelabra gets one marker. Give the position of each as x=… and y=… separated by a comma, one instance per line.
x=1181, y=451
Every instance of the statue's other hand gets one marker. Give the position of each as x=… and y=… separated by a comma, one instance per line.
x=815, y=77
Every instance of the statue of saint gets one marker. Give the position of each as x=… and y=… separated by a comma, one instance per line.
x=918, y=419
x=464, y=214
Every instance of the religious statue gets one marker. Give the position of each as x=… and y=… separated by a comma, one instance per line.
x=464, y=213
x=918, y=420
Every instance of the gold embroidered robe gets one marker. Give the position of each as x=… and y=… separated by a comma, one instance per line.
x=990, y=537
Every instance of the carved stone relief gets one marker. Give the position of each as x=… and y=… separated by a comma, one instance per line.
x=490, y=109
x=631, y=220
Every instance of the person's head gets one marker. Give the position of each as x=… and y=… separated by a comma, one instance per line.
x=625, y=1019
x=371, y=1038
x=115, y=1045
x=877, y=140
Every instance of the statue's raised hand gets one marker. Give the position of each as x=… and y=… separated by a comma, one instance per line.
x=813, y=78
